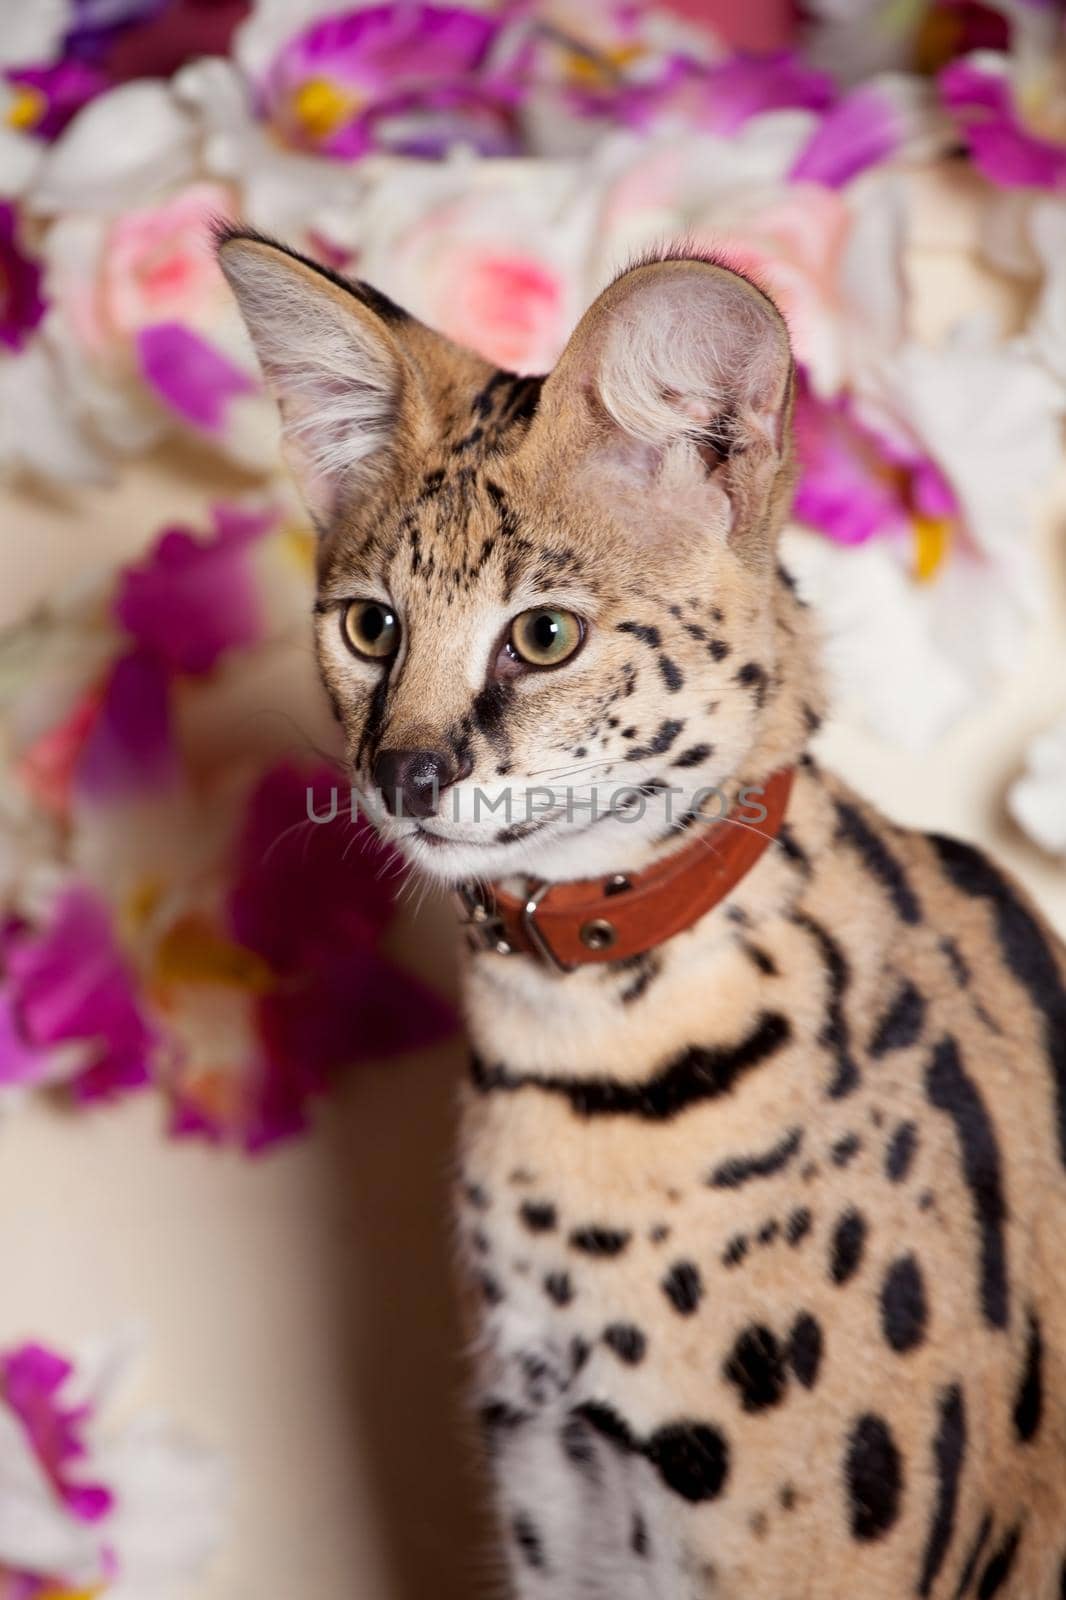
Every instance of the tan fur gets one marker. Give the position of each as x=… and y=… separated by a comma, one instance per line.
x=664, y=543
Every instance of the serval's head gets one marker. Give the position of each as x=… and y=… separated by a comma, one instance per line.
x=549, y=610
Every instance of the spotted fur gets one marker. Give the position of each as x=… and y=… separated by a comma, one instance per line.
x=765, y=1226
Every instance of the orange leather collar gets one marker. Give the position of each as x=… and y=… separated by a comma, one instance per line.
x=610, y=919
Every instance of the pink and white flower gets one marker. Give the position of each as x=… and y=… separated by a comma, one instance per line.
x=85, y=1505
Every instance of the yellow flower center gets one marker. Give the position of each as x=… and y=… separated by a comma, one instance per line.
x=320, y=107
x=192, y=952
x=28, y=106
x=592, y=69
x=932, y=536
x=1041, y=101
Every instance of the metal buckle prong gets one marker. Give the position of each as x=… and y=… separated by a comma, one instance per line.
x=483, y=923
x=533, y=933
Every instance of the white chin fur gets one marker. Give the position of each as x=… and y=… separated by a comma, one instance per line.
x=560, y=849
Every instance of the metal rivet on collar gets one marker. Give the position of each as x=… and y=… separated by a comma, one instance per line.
x=598, y=934
x=617, y=884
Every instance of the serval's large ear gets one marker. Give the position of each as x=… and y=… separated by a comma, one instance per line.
x=331, y=352
x=680, y=376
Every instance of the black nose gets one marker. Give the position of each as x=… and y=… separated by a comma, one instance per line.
x=411, y=780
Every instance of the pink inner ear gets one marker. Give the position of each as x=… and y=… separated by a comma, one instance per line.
x=690, y=344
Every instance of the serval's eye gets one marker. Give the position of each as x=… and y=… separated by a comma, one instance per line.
x=545, y=637
x=371, y=628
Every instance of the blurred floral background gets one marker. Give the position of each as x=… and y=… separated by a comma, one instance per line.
x=171, y=925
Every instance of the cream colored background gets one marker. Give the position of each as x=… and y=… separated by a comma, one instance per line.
x=297, y=1311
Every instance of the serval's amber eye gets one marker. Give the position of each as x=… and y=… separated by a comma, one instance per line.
x=371, y=629
x=545, y=637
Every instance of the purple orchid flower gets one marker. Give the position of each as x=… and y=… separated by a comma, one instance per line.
x=856, y=483
x=312, y=901
x=66, y=982
x=32, y=1379
x=47, y=97
x=863, y=128
x=410, y=78
x=720, y=97
x=1012, y=149
x=21, y=303
x=191, y=599
x=190, y=375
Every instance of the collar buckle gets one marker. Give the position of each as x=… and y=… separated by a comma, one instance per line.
x=479, y=915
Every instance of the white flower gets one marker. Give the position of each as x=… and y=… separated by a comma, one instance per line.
x=160, y=1498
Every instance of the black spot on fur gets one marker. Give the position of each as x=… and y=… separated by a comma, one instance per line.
x=792, y=850
x=846, y=1249
x=877, y=858
x=949, y=1450
x=694, y=755
x=692, y=1459
x=528, y=1541
x=645, y=632
x=1026, y=950
x=742, y=1169
x=639, y=1542
x=579, y=1447
x=953, y=1091
x=999, y=1567
x=627, y=1341
x=756, y=1365
x=699, y=1073
x=904, y=1312
x=873, y=1478
x=962, y=1588
x=753, y=676
x=490, y=1289
x=1029, y=1406
x=761, y=959
x=596, y=1241
x=798, y=1226
x=539, y=1216
x=672, y=674
x=835, y=1034
x=805, y=1349
x=661, y=741
x=735, y=1251
x=558, y=1288
x=499, y=1417
x=901, y=1151
x=845, y=1149
x=901, y=1024
x=683, y=1287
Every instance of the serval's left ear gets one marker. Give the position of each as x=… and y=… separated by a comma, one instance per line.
x=332, y=353
x=680, y=374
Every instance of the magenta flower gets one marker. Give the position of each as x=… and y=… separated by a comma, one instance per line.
x=719, y=97
x=865, y=127
x=21, y=303
x=193, y=598
x=1012, y=118
x=67, y=983
x=307, y=909
x=411, y=78
x=129, y=749
x=856, y=483
x=190, y=375
x=32, y=1379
